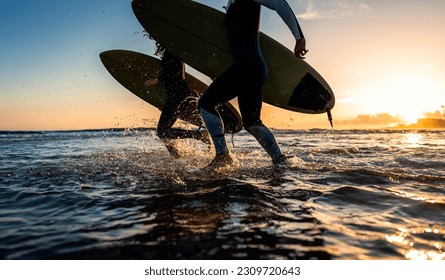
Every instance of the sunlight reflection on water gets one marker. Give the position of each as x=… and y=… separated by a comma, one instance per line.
x=412, y=139
x=424, y=255
x=406, y=239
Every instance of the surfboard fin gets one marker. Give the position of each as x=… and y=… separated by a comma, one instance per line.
x=330, y=118
x=233, y=139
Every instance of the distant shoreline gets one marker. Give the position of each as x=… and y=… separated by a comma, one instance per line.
x=398, y=127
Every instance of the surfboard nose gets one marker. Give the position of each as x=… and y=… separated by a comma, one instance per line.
x=104, y=54
x=136, y=3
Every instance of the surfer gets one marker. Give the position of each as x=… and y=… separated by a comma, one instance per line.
x=245, y=78
x=174, y=80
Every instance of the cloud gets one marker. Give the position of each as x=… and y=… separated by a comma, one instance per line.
x=377, y=119
x=331, y=9
x=433, y=115
x=382, y=119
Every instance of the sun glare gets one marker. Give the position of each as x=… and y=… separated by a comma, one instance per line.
x=408, y=96
x=411, y=96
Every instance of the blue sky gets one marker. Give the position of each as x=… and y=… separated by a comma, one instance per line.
x=50, y=62
x=51, y=76
x=50, y=67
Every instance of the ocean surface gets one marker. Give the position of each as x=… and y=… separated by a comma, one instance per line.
x=117, y=194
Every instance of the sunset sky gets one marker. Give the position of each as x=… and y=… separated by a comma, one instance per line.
x=384, y=59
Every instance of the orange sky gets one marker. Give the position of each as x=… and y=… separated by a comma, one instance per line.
x=385, y=60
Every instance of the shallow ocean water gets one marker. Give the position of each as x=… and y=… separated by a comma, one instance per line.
x=117, y=194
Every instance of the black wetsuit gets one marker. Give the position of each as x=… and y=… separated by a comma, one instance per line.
x=245, y=78
x=173, y=78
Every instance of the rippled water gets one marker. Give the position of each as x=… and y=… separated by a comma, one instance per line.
x=116, y=194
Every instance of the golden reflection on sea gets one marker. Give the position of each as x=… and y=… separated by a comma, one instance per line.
x=412, y=139
x=424, y=255
x=404, y=239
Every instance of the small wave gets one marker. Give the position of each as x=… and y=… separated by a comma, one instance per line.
x=119, y=195
x=421, y=163
x=374, y=199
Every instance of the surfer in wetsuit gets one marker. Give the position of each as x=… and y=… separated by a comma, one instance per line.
x=245, y=78
x=173, y=78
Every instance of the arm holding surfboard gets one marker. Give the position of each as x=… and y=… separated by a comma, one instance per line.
x=300, y=48
x=285, y=12
x=173, y=70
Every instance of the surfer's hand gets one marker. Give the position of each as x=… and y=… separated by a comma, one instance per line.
x=151, y=82
x=300, y=48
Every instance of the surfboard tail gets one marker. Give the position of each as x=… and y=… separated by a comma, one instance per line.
x=311, y=95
